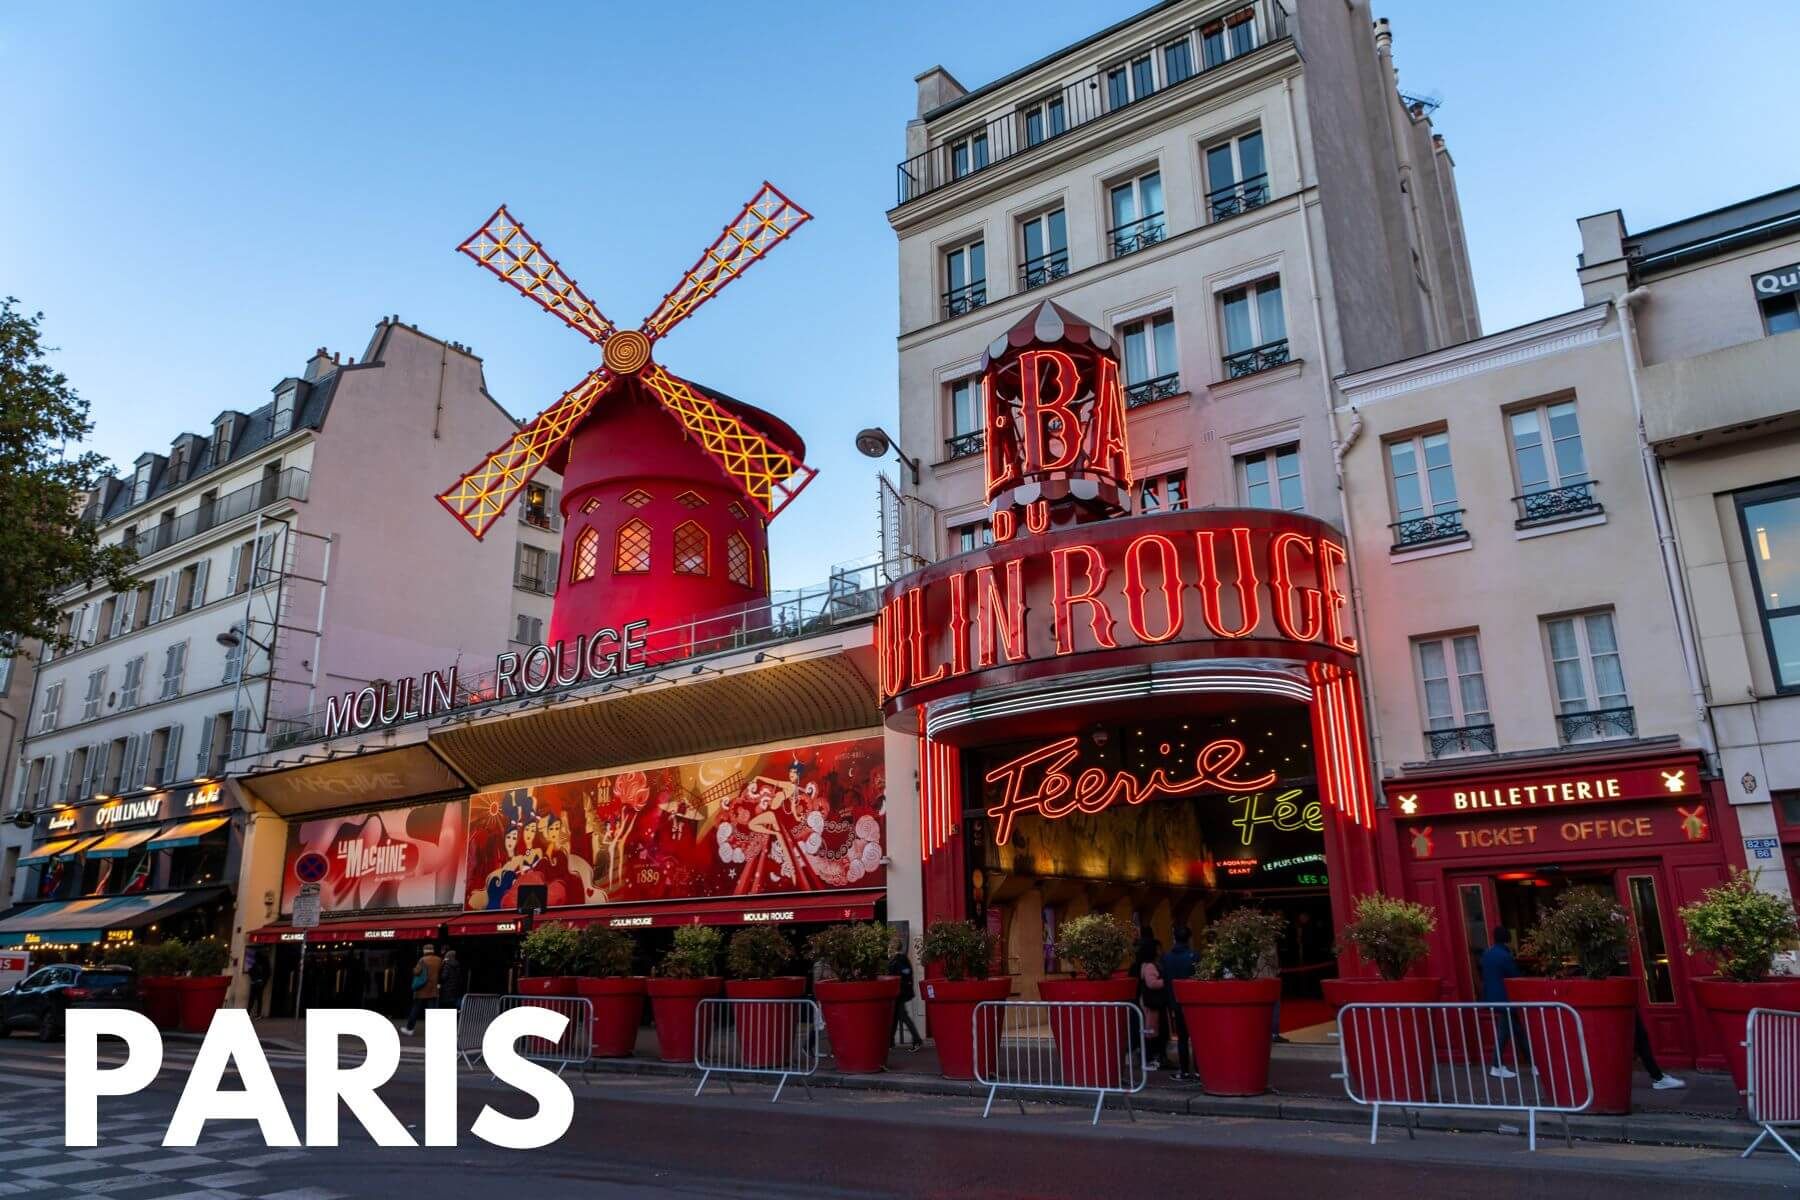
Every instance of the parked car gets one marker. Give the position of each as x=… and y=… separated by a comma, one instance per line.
x=39, y=1001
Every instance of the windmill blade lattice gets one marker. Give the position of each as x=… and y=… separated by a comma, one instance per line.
x=769, y=475
x=768, y=219
x=503, y=247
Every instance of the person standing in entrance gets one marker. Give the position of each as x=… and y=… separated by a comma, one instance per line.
x=258, y=972
x=901, y=966
x=426, y=987
x=1497, y=966
x=452, y=981
x=1179, y=963
x=1153, y=1001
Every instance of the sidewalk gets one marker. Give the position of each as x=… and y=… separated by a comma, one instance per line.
x=1707, y=1113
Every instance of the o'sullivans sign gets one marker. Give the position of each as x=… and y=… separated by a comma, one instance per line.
x=603, y=654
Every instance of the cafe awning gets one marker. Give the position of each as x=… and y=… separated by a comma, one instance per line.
x=188, y=833
x=118, y=845
x=794, y=908
x=356, y=929
x=45, y=851
x=81, y=921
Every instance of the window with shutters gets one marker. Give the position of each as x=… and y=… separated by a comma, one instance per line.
x=528, y=630
x=96, y=692
x=535, y=509
x=115, y=767
x=234, y=659
x=737, y=559
x=174, y=670
x=690, y=549
x=631, y=552
x=587, y=555
x=530, y=575
x=133, y=684
x=53, y=697
x=75, y=776
x=215, y=739
x=164, y=756
x=265, y=560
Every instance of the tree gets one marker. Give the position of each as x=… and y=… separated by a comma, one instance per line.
x=45, y=549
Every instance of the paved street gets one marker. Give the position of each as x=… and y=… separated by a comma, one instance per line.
x=643, y=1136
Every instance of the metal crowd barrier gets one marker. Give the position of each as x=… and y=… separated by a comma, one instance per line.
x=1414, y=1056
x=1060, y=1046
x=1772, y=1056
x=777, y=1038
x=576, y=1045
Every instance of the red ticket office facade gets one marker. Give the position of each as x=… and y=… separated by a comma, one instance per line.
x=1496, y=846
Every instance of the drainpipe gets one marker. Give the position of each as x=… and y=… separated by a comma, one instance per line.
x=1339, y=446
x=1665, y=529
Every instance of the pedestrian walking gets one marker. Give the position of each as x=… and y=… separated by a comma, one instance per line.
x=427, y=979
x=1179, y=963
x=453, y=981
x=257, y=969
x=1497, y=966
x=1660, y=1079
x=902, y=966
x=1153, y=998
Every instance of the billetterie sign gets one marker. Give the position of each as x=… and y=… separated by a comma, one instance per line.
x=591, y=657
x=332, y=1084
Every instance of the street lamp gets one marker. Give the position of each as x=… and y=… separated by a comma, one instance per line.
x=234, y=637
x=875, y=443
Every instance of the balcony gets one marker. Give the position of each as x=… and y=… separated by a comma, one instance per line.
x=1256, y=359
x=526, y=581
x=1463, y=739
x=1556, y=504
x=958, y=301
x=1596, y=725
x=1427, y=529
x=288, y=485
x=1236, y=198
x=1077, y=104
x=1149, y=391
x=1137, y=235
x=1043, y=269
x=1707, y=398
x=963, y=445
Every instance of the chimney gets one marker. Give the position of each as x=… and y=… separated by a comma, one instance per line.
x=937, y=87
x=1384, y=37
x=321, y=364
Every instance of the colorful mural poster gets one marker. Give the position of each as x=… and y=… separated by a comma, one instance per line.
x=397, y=858
x=792, y=820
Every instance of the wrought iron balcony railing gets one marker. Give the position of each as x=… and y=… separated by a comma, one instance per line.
x=1427, y=528
x=1076, y=104
x=1041, y=270
x=958, y=301
x=965, y=444
x=1463, y=739
x=1148, y=391
x=288, y=485
x=1137, y=235
x=1557, y=504
x=1241, y=197
x=529, y=582
x=1597, y=724
x=1257, y=358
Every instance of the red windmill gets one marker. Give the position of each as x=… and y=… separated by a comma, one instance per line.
x=668, y=486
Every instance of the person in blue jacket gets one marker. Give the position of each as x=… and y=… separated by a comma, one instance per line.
x=1497, y=966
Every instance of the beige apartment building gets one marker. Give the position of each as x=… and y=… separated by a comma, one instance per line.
x=1247, y=221
x=1711, y=310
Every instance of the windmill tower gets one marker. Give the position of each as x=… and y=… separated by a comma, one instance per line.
x=668, y=485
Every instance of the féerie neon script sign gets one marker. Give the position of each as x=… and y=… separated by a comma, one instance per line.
x=1094, y=790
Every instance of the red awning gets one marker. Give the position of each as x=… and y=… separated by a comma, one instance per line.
x=365, y=929
x=730, y=910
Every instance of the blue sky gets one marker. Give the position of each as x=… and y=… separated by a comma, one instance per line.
x=197, y=195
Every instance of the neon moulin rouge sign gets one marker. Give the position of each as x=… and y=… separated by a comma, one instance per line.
x=1220, y=582
x=1056, y=793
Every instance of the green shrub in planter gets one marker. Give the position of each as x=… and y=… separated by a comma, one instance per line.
x=854, y=953
x=207, y=957
x=1238, y=944
x=551, y=949
x=129, y=955
x=1584, y=936
x=964, y=949
x=1390, y=933
x=602, y=953
x=1741, y=927
x=695, y=954
x=1097, y=943
x=167, y=957
x=758, y=952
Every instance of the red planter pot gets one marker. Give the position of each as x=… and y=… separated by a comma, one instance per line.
x=197, y=999
x=161, y=998
x=618, y=1011
x=1229, y=1022
x=859, y=1019
x=1090, y=1043
x=1388, y=1054
x=547, y=985
x=674, y=1004
x=765, y=1032
x=950, y=1012
x=1607, y=1010
x=1728, y=1004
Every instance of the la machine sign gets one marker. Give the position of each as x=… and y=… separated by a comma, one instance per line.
x=603, y=654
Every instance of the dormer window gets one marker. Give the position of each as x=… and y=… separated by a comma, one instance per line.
x=140, y=483
x=284, y=409
x=178, y=462
x=222, y=442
